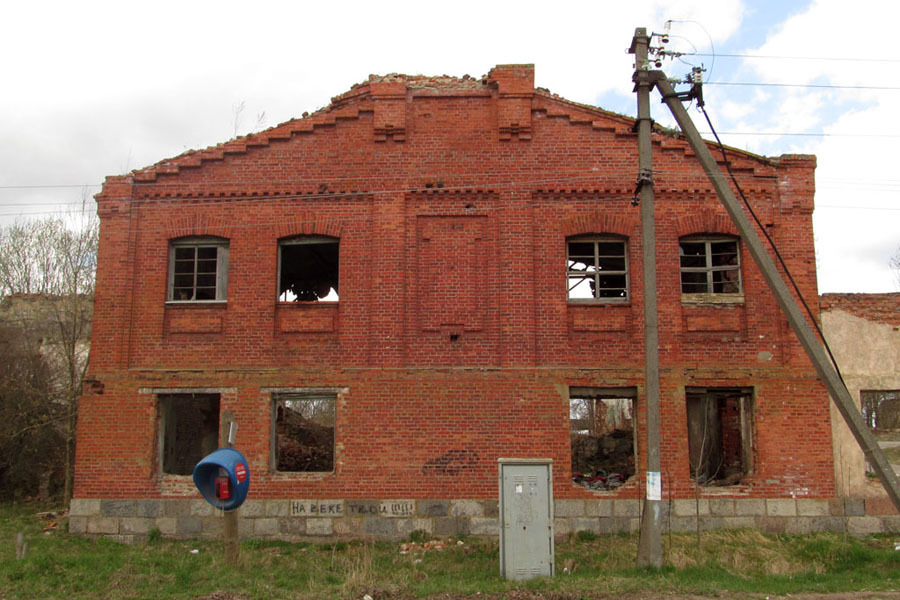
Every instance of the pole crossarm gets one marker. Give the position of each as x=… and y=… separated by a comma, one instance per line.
x=810, y=342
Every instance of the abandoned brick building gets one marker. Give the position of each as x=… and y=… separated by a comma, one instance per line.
x=432, y=273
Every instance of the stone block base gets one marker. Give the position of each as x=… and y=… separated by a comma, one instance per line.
x=311, y=520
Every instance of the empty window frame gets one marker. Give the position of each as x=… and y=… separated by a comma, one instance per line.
x=601, y=428
x=198, y=270
x=710, y=265
x=720, y=434
x=304, y=432
x=308, y=269
x=597, y=268
x=881, y=412
x=188, y=430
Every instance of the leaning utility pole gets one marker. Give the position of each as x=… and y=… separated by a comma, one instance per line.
x=814, y=350
x=650, y=545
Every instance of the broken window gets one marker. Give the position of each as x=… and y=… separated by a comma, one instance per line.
x=710, y=265
x=198, y=269
x=601, y=428
x=597, y=268
x=304, y=432
x=720, y=434
x=188, y=430
x=308, y=269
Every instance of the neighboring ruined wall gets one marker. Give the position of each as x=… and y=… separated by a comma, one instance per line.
x=863, y=331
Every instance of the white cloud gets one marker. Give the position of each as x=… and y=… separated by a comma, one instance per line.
x=97, y=87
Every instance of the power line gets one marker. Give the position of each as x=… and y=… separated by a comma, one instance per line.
x=806, y=134
x=804, y=85
x=61, y=185
x=776, y=57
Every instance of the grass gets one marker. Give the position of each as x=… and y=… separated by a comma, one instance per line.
x=728, y=563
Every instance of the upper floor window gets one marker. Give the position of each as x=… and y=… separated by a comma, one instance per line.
x=597, y=269
x=308, y=269
x=710, y=265
x=198, y=269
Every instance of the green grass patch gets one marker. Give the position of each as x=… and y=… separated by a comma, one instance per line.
x=726, y=563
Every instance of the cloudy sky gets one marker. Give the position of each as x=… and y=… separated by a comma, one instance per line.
x=100, y=88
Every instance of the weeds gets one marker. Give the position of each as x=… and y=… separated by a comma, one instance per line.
x=728, y=563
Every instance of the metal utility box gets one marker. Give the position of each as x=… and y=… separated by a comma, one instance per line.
x=526, y=518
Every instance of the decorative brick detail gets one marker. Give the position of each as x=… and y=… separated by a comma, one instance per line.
x=515, y=87
x=389, y=100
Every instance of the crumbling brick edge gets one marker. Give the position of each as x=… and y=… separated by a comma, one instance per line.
x=319, y=520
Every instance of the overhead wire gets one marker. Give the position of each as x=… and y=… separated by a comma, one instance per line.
x=772, y=244
x=822, y=58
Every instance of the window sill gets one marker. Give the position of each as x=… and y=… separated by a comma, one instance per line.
x=599, y=302
x=711, y=299
x=301, y=475
x=177, y=485
x=199, y=303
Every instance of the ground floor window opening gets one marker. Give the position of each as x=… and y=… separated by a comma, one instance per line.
x=881, y=412
x=188, y=430
x=720, y=434
x=304, y=432
x=601, y=425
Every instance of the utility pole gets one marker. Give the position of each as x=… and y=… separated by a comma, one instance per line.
x=650, y=545
x=826, y=370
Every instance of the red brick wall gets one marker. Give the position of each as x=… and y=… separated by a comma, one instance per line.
x=452, y=200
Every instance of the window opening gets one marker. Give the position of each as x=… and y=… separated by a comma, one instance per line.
x=304, y=433
x=308, y=269
x=710, y=266
x=881, y=412
x=198, y=270
x=720, y=435
x=189, y=430
x=601, y=427
x=597, y=269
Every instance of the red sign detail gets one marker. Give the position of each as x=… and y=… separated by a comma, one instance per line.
x=240, y=472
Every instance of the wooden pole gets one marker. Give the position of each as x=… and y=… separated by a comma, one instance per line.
x=230, y=537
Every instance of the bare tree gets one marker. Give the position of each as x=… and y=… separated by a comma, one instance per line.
x=52, y=261
x=895, y=265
